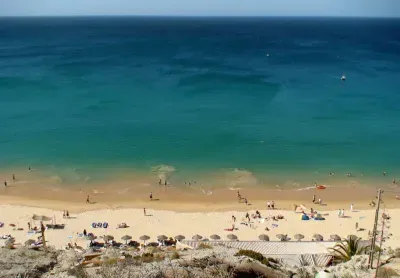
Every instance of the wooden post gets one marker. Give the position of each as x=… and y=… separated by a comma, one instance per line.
x=372, y=247
x=380, y=248
x=43, y=228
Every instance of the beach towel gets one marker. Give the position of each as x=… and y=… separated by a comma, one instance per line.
x=229, y=230
x=105, y=225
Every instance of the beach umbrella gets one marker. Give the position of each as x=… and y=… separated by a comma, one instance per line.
x=232, y=237
x=318, y=237
x=162, y=237
x=335, y=238
x=126, y=238
x=299, y=237
x=215, y=237
x=29, y=242
x=180, y=237
x=144, y=238
x=41, y=218
x=107, y=238
x=197, y=237
x=263, y=237
x=153, y=244
x=281, y=237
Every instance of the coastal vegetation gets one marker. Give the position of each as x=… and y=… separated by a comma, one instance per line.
x=345, y=250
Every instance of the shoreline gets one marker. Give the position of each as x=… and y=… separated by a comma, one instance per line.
x=176, y=199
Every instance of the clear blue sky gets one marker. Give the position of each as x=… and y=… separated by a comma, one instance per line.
x=375, y=8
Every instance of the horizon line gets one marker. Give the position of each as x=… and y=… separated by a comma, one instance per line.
x=202, y=16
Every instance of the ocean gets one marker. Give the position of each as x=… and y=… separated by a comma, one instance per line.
x=252, y=100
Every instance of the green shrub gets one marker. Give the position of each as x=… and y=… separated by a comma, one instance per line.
x=204, y=246
x=254, y=255
x=174, y=255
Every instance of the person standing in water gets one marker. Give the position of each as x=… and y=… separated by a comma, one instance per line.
x=5, y=183
x=88, y=199
x=151, y=196
x=13, y=176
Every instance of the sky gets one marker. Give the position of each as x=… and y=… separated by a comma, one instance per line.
x=364, y=8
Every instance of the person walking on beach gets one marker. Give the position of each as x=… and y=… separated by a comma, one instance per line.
x=340, y=213
x=245, y=201
x=320, y=201
x=239, y=196
x=151, y=196
x=13, y=176
x=268, y=205
x=88, y=199
x=233, y=218
x=159, y=182
x=351, y=207
x=248, y=216
x=313, y=198
x=273, y=205
x=144, y=211
x=5, y=183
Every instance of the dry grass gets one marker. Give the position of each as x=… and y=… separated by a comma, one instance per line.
x=385, y=272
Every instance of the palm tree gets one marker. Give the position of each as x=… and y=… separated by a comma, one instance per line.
x=345, y=250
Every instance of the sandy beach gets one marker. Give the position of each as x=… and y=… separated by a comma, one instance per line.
x=172, y=223
x=187, y=210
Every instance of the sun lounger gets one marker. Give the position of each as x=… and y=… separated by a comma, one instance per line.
x=105, y=225
x=1, y=224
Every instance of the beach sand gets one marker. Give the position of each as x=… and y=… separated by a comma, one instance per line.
x=210, y=220
x=186, y=210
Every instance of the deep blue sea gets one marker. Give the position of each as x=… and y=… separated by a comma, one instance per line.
x=84, y=97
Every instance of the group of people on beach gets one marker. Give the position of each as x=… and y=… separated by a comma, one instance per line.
x=314, y=200
x=242, y=199
x=13, y=178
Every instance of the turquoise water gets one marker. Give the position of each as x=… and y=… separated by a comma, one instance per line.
x=88, y=96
